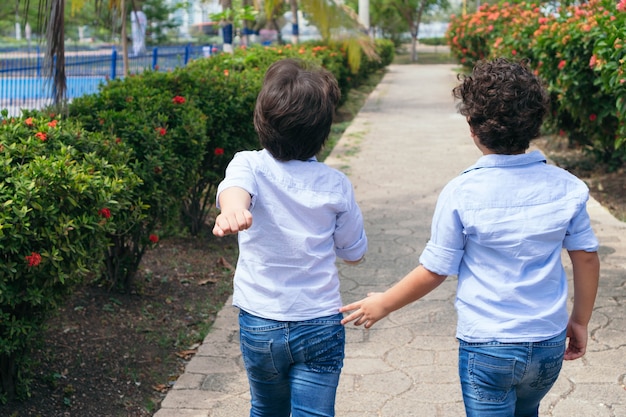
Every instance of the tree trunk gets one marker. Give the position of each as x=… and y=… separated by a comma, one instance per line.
x=227, y=30
x=55, y=51
x=246, y=26
x=124, y=38
x=295, y=30
x=416, y=30
x=413, y=46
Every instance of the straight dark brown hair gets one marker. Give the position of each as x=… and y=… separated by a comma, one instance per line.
x=295, y=109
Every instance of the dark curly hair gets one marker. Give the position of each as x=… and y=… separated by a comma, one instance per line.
x=504, y=103
x=295, y=109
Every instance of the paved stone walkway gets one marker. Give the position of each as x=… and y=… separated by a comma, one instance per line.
x=403, y=147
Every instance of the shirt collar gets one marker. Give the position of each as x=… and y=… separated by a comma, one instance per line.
x=498, y=160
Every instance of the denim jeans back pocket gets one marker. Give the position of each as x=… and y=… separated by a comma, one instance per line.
x=256, y=350
x=324, y=350
x=491, y=378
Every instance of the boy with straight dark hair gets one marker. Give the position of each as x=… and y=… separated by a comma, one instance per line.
x=286, y=282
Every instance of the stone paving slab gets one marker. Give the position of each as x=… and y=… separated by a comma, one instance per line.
x=405, y=144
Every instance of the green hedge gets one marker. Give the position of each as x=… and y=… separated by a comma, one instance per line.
x=60, y=188
x=88, y=193
x=217, y=97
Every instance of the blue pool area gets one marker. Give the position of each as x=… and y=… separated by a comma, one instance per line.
x=23, y=86
x=37, y=88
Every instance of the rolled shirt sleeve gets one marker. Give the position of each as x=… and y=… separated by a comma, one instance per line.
x=580, y=235
x=445, y=249
x=349, y=236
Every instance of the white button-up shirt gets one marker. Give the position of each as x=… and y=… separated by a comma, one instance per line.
x=501, y=226
x=304, y=216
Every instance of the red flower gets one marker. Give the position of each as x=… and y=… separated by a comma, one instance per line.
x=104, y=212
x=33, y=259
x=562, y=64
x=118, y=140
x=621, y=6
x=29, y=121
x=593, y=117
x=41, y=136
x=178, y=100
x=219, y=151
x=226, y=72
x=162, y=131
x=53, y=123
x=153, y=238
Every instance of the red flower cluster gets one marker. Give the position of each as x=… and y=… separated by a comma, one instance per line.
x=162, y=131
x=178, y=100
x=33, y=259
x=153, y=238
x=41, y=136
x=218, y=151
x=53, y=123
x=29, y=121
x=104, y=212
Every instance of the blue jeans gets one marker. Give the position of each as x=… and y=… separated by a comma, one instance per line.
x=293, y=367
x=508, y=379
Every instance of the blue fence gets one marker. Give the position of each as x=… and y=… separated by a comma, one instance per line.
x=24, y=85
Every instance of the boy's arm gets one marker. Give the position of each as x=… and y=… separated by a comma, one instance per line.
x=586, y=266
x=376, y=306
x=235, y=215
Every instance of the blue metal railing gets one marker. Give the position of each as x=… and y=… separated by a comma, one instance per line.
x=24, y=84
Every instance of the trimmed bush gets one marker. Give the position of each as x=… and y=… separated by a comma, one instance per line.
x=167, y=135
x=60, y=189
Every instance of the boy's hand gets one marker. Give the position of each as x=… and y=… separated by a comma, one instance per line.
x=577, y=344
x=365, y=312
x=228, y=223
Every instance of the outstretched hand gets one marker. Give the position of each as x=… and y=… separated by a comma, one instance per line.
x=228, y=223
x=365, y=312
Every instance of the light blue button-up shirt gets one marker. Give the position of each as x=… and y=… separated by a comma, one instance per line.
x=304, y=216
x=501, y=227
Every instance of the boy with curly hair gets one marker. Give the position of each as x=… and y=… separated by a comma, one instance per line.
x=305, y=216
x=501, y=226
